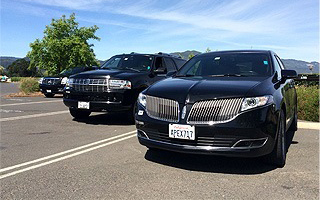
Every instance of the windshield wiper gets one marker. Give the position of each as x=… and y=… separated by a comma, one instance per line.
x=136, y=70
x=184, y=75
x=223, y=75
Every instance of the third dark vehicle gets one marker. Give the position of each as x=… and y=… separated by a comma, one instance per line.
x=116, y=86
x=231, y=103
x=52, y=85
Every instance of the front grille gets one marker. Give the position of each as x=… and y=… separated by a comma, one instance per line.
x=51, y=81
x=214, y=111
x=90, y=85
x=162, y=109
x=226, y=141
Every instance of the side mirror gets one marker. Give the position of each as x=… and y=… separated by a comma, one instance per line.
x=171, y=73
x=288, y=74
x=160, y=71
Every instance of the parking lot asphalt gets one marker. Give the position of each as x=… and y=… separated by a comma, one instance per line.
x=46, y=154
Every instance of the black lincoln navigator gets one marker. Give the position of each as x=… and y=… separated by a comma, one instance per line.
x=117, y=84
x=232, y=103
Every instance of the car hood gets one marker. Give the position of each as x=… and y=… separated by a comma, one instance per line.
x=193, y=89
x=102, y=73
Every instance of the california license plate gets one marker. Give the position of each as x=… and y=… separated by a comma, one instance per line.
x=83, y=105
x=48, y=91
x=180, y=131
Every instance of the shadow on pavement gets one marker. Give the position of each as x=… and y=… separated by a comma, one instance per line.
x=215, y=164
x=107, y=119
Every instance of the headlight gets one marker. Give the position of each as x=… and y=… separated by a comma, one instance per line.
x=119, y=84
x=142, y=99
x=64, y=80
x=40, y=80
x=253, y=102
x=69, y=81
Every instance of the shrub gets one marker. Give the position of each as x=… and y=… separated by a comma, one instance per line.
x=308, y=103
x=29, y=85
x=16, y=79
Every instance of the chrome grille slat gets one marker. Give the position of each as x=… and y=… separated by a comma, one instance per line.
x=90, y=85
x=162, y=109
x=214, y=111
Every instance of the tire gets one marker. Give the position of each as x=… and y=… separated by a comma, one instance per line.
x=294, y=124
x=132, y=113
x=79, y=114
x=49, y=95
x=278, y=155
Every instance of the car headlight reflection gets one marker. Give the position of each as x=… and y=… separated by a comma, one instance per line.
x=120, y=84
x=142, y=99
x=69, y=82
x=64, y=80
x=253, y=102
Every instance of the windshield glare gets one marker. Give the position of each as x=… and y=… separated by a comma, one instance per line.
x=133, y=62
x=237, y=64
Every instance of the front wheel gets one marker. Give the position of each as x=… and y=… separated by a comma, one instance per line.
x=279, y=153
x=49, y=95
x=79, y=114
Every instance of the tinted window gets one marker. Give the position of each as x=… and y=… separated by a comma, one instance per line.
x=246, y=64
x=280, y=62
x=160, y=64
x=72, y=71
x=179, y=62
x=170, y=64
x=277, y=67
x=134, y=62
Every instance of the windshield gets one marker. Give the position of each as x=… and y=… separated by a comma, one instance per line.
x=228, y=64
x=130, y=62
x=72, y=71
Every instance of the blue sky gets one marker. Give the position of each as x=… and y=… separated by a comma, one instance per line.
x=288, y=27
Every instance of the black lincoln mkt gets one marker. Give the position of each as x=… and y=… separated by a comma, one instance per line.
x=231, y=103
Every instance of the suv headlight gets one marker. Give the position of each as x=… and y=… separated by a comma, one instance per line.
x=119, y=84
x=69, y=82
x=64, y=80
x=142, y=99
x=40, y=80
x=253, y=102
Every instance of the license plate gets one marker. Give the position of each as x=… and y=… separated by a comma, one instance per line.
x=48, y=91
x=180, y=131
x=83, y=105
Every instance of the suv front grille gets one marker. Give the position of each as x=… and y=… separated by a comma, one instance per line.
x=90, y=85
x=162, y=109
x=214, y=111
x=51, y=81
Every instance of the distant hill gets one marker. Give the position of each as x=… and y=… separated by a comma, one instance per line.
x=185, y=54
x=5, y=61
x=298, y=65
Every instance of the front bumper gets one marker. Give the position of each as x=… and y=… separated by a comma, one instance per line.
x=55, y=89
x=113, y=101
x=250, y=134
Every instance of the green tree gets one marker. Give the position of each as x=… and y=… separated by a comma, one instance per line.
x=64, y=46
x=20, y=68
x=190, y=56
x=2, y=72
x=208, y=50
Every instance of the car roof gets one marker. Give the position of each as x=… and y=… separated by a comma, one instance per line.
x=236, y=51
x=155, y=54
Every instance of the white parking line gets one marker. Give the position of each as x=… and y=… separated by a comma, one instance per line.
x=32, y=116
x=64, y=152
x=68, y=156
x=17, y=104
